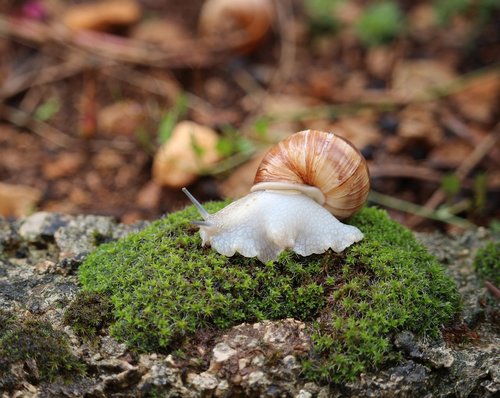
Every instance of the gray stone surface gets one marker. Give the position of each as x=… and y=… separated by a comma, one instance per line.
x=40, y=254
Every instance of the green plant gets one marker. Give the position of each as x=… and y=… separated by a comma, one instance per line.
x=48, y=109
x=380, y=23
x=480, y=10
x=321, y=14
x=487, y=262
x=88, y=314
x=446, y=9
x=171, y=118
x=32, y=339
x=165, y=287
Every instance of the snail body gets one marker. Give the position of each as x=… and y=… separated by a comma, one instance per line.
x=302, y=184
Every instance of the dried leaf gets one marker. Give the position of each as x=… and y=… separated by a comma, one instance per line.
x=17, y=200
x=149, y=196
x=102, y=15
x=417, y=122
x=416, y=79
x=238, y=184
x=450, y=154
x=190, y=150
x=362, y=132
x=479, y=100
x=166, y=33
x=65, y=165
x=121, y=118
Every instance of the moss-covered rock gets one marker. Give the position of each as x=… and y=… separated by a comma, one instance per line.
x=487, y=262
x=36, y=344
x=88, y=314
x=164, y=286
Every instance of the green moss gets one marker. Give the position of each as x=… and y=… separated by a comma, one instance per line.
x=487, y=262
x=164, y=286
x=31, y=339
x=88, y=314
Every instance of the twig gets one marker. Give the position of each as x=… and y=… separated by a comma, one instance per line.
x=168, y=89
x=493, y=289
x=163, y=88
x=284, y=70
x=405, y=171
x=461, y=172
x=44, y=130
x=192, y=53
x=17, y=84
x=461, y=130
x=420, y=211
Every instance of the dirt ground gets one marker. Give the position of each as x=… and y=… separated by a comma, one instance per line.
x=89, y=95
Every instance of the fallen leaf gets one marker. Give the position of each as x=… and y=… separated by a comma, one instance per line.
x=380, y=60
x=121, y=118
x=362, y=132
x=478, y=101
x=102, y=15
x=190, y=150
x=450, y=154
x=64, y=165
x=412, y=80
x=149, y=196
x=238, y=184
x=422, y=21
x=17, y=200
x=108, y=159
x=417, y=122
x=166, y=33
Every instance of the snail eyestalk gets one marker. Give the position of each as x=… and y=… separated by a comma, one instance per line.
x=203, y=213
x=202, y=223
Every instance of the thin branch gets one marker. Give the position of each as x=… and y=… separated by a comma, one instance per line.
x=405, y=171
x=198, y=52
x=17, y=84
x=408, y=207
x=461, y=172
x=44, y=130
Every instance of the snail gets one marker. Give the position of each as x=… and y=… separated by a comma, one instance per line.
x=301, y=186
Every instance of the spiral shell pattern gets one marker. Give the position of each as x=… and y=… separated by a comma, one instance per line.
x=323, y=160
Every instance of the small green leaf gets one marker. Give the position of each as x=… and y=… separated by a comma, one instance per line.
x=48, y=109
x=480, y=191
x=380, y=23
x=171, y=118
x=450, y=185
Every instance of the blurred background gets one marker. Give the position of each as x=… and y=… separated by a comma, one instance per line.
x=110, y=107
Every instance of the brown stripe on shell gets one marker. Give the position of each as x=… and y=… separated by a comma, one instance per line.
x=324, y=160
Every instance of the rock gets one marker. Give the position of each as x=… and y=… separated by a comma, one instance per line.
x=202, y=382
x=259, y=359
x=222, y=352
x=42, y=225
x=83, y=234
x=112, y=348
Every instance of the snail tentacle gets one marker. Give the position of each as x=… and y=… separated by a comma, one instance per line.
x=203, y=213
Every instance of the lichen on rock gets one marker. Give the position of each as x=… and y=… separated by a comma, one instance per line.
x=164, y=286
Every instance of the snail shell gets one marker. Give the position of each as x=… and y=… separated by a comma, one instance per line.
x=326, y=161
x=300, y=186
